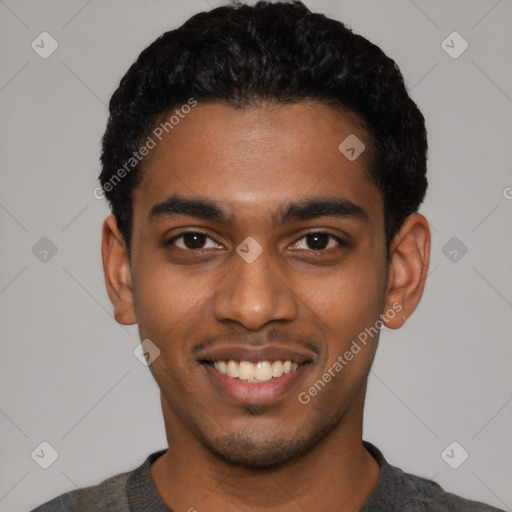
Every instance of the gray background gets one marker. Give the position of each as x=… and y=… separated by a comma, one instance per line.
x=68, y=375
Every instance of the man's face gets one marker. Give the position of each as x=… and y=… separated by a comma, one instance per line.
x=319, y=281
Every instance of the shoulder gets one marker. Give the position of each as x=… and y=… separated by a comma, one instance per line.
x=422, y=495
x=397, y=490
x=110, y=495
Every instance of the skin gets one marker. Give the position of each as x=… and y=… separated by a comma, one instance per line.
x=282, y=455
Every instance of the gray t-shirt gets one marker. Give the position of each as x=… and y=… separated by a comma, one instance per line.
x=134, y=491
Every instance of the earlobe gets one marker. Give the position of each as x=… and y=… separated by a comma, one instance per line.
x=117, y=272
x=407, y=272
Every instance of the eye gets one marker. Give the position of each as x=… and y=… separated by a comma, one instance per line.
x=193, y=241
x=318, y=241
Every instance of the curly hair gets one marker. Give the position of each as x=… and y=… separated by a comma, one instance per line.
x=270, y=52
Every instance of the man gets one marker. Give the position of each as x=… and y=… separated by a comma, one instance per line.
x=264, y=166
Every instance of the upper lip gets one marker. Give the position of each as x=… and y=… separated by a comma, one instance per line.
x=254, y=354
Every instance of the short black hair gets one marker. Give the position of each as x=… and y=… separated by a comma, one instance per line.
x=268, y=53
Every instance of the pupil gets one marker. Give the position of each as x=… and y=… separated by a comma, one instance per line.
x=318, y=241
x=194, y=240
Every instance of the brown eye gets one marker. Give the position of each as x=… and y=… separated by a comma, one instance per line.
x=318, y=241
x=192, y=241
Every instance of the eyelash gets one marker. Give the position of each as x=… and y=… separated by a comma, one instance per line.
x=341, y=242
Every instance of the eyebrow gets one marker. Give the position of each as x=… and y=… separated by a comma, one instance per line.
x=208, y=209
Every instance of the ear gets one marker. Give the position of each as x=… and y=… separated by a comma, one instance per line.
x=117, y=272
x=407, y=271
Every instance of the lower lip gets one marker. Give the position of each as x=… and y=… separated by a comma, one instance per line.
x=252, y=393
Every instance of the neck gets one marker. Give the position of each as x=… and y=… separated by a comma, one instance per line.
x=188, y=477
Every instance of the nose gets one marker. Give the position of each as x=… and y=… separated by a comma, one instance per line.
x=253, y=294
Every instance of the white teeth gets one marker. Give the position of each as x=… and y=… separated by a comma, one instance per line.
x=262, y=371
x=232, y=369
x=246, y=371
x=277, y=369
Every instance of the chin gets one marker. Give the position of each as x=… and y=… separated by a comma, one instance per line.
x=248, y=450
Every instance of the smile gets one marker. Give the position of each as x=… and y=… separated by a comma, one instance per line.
x=251, y=375
x=254, y=372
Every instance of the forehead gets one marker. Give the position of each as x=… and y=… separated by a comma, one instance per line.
x=254, y=160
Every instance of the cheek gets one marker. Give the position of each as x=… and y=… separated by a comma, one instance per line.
x=166, y=299
x=348, y=309
x=347, y=305
x=351, y=295
x=166, y=307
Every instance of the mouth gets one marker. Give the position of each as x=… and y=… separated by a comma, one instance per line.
x=255, y=377
x=247, y=371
